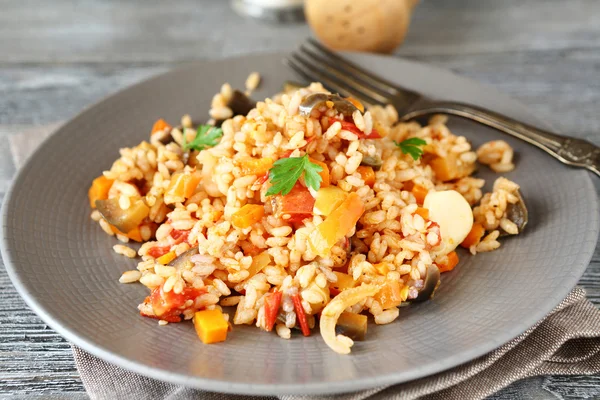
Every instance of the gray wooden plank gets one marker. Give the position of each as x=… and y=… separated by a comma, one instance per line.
x=154, y=30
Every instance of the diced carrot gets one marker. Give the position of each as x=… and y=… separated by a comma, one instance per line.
x=158, y=251
x=247, y=216
x=297, y=201
x=324, y=172
x=390, y=295
x=99, y=189
x=300, y=315
x=423, y=212
x=182, y=186
x=367, y=174
x=420, y=192
x=272, y=303
x=211, y=326
x=256, y=166
x=450, y=167
x=336, y=225
x=166, y=258
x=356, y=103
x=474, y=236
x=160, y=125
x=133, y=234
x=452, y=261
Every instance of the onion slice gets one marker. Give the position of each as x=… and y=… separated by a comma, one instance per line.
x=341, y=344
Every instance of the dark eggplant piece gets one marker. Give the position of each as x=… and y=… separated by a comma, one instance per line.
x=372, y=161
x=240, y=104
x=123, y=220
x=184, y=258
x=317, y=100
x=352, y=325
x=516, y=213
x=432, y=280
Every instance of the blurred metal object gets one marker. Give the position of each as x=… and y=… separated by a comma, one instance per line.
x=278, y=11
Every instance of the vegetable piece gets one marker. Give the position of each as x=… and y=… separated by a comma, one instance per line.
x=328, y=199
x=389, y=296
x=367, y=174
x=272, y=303
x=259, y=263
x=206, y=136
x=450, y=262
x=372, y=161
x=331, y=313
x=286, y=172
x=474, y=236
x=450, y=167
x=158, y=251
x=160, y=125
x=352, y=325
x=420, y=192
x=99, y=189
x=336, y=225
x=423, y=212
x=318, y=100
x=184, y=259
x=123, y=220
x=297, y=203
x=256, y=166
x=211, y=326
x=351, y=127
x=240, y=104
x=300, y=315
x=182, y=186
x=166, y=258
x=412, y=147
x=324, y=173
x=344, y=281
x=247, y=216
x=133, y=234
x=453, y=214
x=356, y=104
x=165, y=304
x=516, y=213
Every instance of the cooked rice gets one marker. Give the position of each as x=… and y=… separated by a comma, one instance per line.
x=390, y=243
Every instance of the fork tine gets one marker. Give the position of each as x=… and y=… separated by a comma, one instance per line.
x=359, y=72
x=346, y=77
x=339, y=79
x=308, y=72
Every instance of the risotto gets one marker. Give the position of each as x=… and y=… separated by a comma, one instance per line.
x=300, y=211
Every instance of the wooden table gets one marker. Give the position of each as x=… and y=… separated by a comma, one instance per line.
x=57, y=57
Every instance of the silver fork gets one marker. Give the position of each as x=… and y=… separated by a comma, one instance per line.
x=313, y=62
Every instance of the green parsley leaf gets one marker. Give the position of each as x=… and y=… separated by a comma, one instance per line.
x=206, y=136
x=286, y=171
x=411, y=147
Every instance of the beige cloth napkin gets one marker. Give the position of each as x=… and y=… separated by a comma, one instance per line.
x=566, y=342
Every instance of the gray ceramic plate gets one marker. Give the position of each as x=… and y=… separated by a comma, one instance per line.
x=64, y=267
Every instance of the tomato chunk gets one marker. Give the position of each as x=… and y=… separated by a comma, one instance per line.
x=272, y=303
x=301, y=315
x=297, y=201
x=158, y=251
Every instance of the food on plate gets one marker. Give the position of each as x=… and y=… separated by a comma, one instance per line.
x=304, y=211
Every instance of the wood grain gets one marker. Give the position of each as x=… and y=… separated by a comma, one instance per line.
x=58, y=57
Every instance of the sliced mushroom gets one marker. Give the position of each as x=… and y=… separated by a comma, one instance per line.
x=317, y=100
x=432, y=280
x=517, y=213
x=184, y=258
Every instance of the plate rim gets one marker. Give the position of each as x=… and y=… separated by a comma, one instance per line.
x=225, y=386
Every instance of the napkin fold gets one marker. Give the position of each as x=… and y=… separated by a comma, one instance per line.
x=566, y=342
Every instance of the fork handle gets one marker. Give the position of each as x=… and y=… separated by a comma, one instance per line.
x=572, y=151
